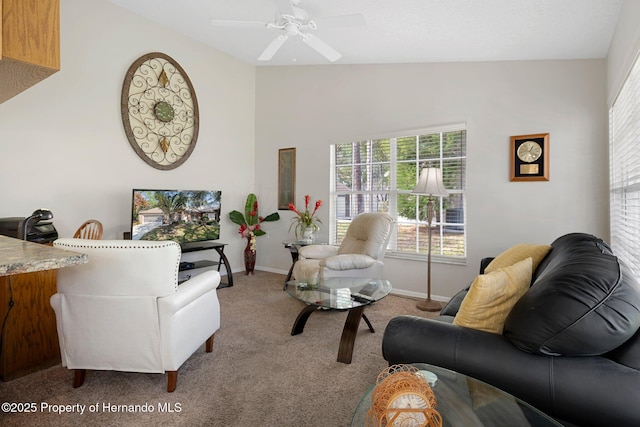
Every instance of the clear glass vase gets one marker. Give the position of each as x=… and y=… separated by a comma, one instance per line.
x=309, y=234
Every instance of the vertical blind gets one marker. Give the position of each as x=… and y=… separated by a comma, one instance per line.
x=624, y=180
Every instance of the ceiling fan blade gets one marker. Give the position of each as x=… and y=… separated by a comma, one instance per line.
x=284, y=7
x=244, y=24
x=273, y=47
x=340, y=21
x=324, y=49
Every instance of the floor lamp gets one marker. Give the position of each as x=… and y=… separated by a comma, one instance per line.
x=430, y=184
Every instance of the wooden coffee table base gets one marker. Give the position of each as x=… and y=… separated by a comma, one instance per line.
x=348, y=339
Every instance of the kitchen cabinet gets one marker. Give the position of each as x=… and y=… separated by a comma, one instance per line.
x=29, y=44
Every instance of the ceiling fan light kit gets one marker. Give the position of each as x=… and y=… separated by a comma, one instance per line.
x=293, y=21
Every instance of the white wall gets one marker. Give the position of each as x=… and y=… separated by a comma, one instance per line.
x=313, y=107
x=63, y=143
x=64, y=147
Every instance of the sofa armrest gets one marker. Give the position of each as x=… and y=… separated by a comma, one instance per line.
x=482, y=355
x=406, y=339
x=347, y=262
x=188, y=318
x=412, y=339
x=189, y=291
x=317, y=251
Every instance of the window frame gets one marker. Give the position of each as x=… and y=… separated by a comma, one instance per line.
x=394, y=192
x=624, y=170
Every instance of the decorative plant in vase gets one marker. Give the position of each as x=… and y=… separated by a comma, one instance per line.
x=305, y=223
x=250, y=228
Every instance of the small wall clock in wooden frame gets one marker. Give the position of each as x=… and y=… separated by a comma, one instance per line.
x=529, y=157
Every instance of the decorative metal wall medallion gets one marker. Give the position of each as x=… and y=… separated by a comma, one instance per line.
x=160, y=111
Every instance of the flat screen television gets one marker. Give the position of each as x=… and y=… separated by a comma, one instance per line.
x=183, y=216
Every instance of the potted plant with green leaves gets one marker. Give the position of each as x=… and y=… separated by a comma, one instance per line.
x=250, y=228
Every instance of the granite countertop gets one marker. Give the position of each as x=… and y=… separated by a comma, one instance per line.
x=18, y=256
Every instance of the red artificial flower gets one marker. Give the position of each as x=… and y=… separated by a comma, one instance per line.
x=318, y=204
x=305, y=219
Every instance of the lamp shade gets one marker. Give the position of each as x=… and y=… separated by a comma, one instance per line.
x=430, y=183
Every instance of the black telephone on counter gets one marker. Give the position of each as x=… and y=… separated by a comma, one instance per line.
x=34, y=228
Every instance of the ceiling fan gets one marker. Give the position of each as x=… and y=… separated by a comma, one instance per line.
x=292, y=22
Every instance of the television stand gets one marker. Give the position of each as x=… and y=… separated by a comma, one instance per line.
x=203, y=246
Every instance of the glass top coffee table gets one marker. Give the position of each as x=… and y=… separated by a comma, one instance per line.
x=465, y=401
x=338, y=293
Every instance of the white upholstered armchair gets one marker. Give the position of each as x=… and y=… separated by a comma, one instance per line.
x=124, y=311
x=359, y=255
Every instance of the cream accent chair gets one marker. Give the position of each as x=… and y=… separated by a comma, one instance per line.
x=124, y=310
x=359, y=255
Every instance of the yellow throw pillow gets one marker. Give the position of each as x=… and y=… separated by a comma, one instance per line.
x=492, y=296
x=518, y=253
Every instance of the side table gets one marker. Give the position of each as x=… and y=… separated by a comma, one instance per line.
x=293, y=248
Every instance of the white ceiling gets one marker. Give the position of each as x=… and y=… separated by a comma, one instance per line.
x=402, y=31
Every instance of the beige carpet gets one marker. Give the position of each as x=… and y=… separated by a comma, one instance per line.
x=257, y=375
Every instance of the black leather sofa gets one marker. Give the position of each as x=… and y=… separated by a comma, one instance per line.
x=570, y=346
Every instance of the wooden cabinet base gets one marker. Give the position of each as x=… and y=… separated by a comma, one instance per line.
x=18, y=76
x=29, y=337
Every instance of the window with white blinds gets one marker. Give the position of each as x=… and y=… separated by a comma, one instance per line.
x=624, y=144
x=378, y=175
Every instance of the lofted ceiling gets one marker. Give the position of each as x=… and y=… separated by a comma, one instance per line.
x=399, y=31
